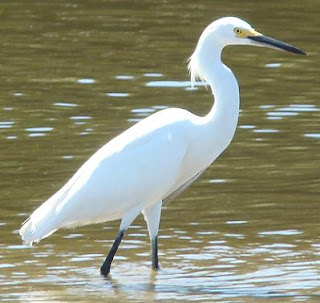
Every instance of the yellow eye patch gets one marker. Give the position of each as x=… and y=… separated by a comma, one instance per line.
x=244, y=33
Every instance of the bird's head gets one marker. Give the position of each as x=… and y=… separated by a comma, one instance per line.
x=230, y=31
x=234, y=31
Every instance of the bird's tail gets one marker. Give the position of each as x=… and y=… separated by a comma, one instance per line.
x=43, y=221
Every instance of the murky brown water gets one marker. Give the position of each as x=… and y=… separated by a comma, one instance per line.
x=76, y=73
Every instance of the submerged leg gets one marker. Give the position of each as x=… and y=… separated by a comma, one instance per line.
x=152, y=215
x=105, y=268
x=125, y=223
x=154, y=249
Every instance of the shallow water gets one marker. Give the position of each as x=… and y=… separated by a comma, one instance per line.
x=77, y=73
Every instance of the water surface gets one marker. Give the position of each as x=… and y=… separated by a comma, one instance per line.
x=77, y=73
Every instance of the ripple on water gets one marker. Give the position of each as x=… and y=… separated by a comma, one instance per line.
x=12, y=137
x=85, y=257
x=17, y=247
x=273, y=65
x=68, y=157
x=266, y=131
x=73, y=236
x=299, y=108
x=143, y=112
x=236, y=222
x=80, y=118
x=124, y=77
x=200, y=256
x=38, y=131
x=159, y=107
x=62, y=104
x=275, y=118
x=314, y=135
x=205, y=233
x=236, y=236
x=267, y=106
x=87, y=131
x=153, y=75
x=118, y=95
x=191, y=88
x=19, y=274
x=246, y=126
x=286, y=232
x=218, y=181
x=279, y=245
x=35, y=135
x=86, y=81
x=282, y=114
x=6, y=124
x=18, y=94
x=6, y=265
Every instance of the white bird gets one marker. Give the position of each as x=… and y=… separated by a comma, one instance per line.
x=157, y=158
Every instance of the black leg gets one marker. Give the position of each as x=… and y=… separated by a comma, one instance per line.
x=154, y=245
x=105, y=268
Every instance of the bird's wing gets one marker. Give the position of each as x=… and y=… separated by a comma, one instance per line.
x=126, y=173
x=183, y=187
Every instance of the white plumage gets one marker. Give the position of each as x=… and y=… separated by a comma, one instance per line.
x=140, y=167
x=158, y=157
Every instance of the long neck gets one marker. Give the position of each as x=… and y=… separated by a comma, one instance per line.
x=223, y=117
x=224, y=86
x=217, y=128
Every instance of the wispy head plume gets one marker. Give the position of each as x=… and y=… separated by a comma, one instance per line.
x=194, y=70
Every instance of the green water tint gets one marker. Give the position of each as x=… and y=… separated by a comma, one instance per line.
x=74, y=75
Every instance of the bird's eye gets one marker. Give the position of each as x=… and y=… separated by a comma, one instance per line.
x=238, y=30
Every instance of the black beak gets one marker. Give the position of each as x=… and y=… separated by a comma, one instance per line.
x=273, y=43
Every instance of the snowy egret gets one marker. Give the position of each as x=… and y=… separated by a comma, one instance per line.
x=157, y=158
